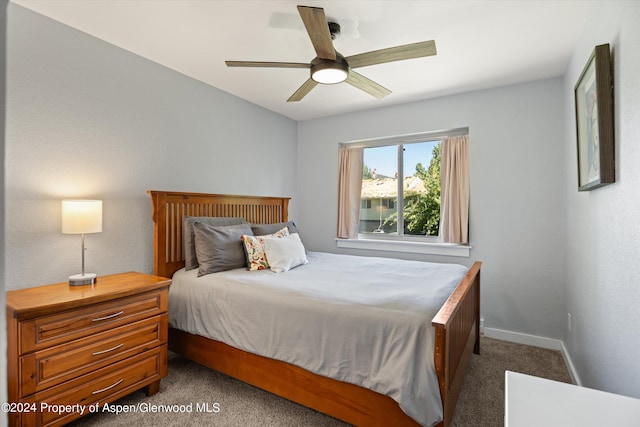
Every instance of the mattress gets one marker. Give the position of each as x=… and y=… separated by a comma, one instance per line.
x=361, y=320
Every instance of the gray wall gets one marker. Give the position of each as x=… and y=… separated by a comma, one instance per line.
x=89, y=120
x=3, y=325
x=516, y=212
x=603, y=268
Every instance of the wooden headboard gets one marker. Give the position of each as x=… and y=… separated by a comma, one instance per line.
x=170, y=207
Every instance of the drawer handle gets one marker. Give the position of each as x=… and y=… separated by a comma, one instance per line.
x=108, y=350
x=111, y=316
x=107, y=388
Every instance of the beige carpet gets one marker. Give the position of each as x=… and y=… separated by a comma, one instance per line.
x=481, y=402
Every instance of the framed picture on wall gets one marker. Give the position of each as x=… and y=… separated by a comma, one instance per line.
x=594, y=121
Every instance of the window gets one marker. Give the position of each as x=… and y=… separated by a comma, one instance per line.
x=405, y=190
x=417, y=190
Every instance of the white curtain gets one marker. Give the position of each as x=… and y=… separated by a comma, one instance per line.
x=349, y=187
x=454, y=190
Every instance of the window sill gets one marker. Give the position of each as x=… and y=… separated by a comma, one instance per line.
x=447, y=249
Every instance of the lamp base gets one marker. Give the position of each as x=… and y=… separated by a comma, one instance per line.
x=82, y=279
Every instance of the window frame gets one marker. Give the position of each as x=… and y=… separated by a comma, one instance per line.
x=402, y=242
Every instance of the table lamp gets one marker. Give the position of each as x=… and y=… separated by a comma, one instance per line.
x=82, y=217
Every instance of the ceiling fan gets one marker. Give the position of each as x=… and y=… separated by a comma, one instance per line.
x=329, y=67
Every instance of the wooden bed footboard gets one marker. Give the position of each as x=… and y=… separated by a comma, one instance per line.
x=456, y=324
x=457, y=329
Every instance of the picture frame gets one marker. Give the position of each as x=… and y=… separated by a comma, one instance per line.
x=594, y=121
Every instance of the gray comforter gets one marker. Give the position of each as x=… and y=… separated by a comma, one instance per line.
x=362, y=320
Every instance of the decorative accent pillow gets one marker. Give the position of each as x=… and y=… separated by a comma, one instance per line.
x=285, y=253
x=188, y=240
x=254, y=249
x=219, y=248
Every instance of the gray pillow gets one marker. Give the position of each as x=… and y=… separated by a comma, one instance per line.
x=264, y=229
x=188, y=242
x=219, y=247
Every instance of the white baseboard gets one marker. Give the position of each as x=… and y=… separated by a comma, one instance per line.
x=536, y=341
x=572, y=369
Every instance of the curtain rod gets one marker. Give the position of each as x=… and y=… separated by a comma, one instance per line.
x=409, y=138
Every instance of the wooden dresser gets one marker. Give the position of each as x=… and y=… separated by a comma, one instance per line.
x=71, y=349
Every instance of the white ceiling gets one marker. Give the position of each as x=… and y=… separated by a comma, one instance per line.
x=480, y=44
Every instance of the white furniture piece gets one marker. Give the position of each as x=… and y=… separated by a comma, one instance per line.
x=533, y=401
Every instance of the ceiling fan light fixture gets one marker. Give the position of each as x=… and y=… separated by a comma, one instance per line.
x=329, y=67
x=329, y=73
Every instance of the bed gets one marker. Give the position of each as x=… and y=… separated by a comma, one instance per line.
x=455, y=325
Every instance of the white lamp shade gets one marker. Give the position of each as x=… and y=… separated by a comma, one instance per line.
x=81, y=216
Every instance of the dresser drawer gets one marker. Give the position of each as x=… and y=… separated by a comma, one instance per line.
x=52, y=366
x=104, y=385
x=48, y=331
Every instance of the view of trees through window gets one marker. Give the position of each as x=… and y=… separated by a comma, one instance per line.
x=418, y=194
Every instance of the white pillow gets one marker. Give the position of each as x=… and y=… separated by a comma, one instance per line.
x=284, y=253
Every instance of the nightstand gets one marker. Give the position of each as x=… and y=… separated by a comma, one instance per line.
x=78, y=347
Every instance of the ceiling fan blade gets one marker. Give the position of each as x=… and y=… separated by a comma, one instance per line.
x=316, y=24
x=266, y=64
x=398, y=53
x=372, y=88
x=302, y=91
